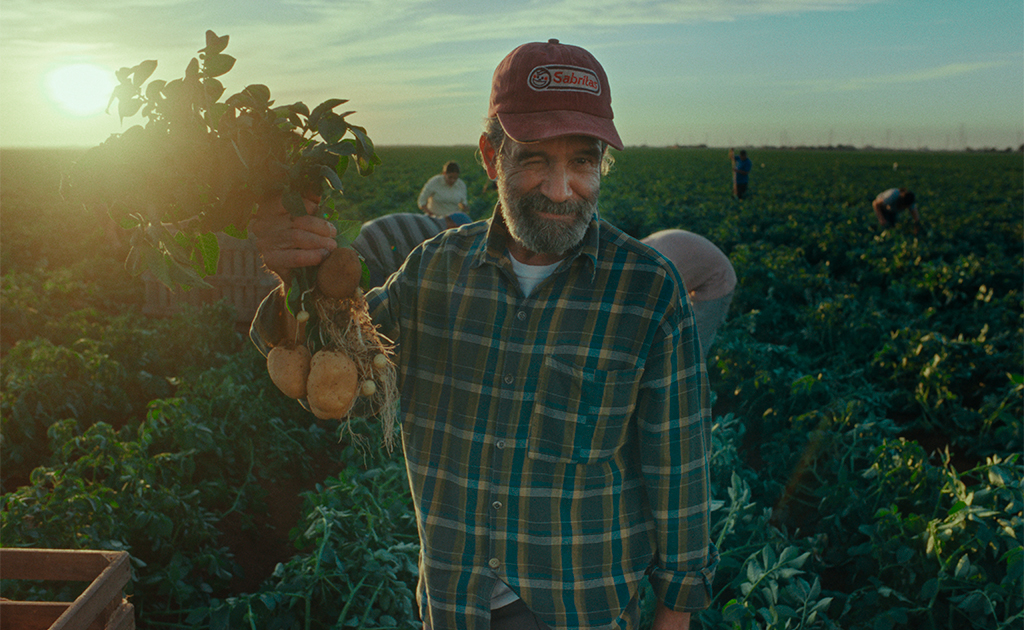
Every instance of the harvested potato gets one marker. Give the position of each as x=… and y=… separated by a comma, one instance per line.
x=288, y=366
x=360, y=355
x=332, y=385
x=339, y=275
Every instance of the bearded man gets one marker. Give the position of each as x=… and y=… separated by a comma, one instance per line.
x=554, y=407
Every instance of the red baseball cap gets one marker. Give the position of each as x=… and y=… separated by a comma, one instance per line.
x=546, y=90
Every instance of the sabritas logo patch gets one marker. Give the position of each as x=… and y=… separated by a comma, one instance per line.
x=571, y=78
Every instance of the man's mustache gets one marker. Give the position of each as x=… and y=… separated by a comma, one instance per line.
x=538, y=203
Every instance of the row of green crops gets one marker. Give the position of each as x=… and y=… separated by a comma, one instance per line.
x=866, y=425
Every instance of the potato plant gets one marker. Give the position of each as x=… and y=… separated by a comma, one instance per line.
x=867, y=395
x=200, y=166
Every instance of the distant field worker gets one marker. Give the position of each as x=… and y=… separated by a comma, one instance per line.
x=444, y=194
x=708, y=276
x=741, y=167
x=889, y=202
x=385, y=242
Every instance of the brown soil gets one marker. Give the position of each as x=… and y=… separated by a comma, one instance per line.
x=260, y=541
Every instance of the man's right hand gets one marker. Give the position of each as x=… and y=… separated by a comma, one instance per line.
x=286, y=242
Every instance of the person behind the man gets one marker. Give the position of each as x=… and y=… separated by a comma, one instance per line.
x=385, y=242
x=555, y=419
x=444, y=194
x=891, y=202
x=708, y=276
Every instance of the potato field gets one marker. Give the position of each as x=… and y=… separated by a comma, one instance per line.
x=867, y=404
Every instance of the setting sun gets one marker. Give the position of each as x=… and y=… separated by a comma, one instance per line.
x=81, y=89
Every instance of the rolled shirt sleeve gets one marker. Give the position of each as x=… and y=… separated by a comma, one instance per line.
x=674, y=432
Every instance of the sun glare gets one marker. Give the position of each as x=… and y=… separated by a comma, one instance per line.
x=81, y=89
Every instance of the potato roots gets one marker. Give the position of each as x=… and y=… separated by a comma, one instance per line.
x=354, y=364
x=345, y=328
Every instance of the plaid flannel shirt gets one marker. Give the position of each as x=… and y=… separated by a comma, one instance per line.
x=558, y=440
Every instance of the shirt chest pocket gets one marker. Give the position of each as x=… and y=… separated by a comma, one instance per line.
x=581, y=416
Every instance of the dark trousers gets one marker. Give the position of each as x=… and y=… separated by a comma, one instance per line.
x=516, y=616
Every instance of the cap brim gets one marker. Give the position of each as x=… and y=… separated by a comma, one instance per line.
x=536, y=126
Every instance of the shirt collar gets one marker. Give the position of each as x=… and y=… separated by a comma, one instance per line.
x=495, y=250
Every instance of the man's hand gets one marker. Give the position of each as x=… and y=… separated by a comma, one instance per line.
x=286, y=242
x=667, y=619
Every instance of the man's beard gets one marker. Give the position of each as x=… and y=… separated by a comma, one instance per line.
x=543, y=236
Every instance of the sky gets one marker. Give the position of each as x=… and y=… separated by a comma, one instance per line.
x=901, y=74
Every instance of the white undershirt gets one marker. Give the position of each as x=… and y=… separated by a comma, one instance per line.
x=531, y=275
x=502, y=595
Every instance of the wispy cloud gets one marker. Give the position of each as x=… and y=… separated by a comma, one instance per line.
x=648, y=12
x=405, y=39
x=306, y=30
x=423, y=65
x=855, y=84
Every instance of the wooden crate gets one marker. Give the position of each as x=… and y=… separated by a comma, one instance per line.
x=240, y=279
x=101, y=606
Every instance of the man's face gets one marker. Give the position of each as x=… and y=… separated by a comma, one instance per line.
x=451, y=177
x=548, y=191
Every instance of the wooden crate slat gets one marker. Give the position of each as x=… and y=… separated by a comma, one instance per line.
x=241, y=279
x=100, y=607
x=30, y=615
x=42, y=616
x=123, y=618
x=107, y=587
x=53, y=564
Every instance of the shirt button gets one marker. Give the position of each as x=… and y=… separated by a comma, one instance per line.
x=500, y=444
x=493, y=563
x=496, y=505
x=508, y=379
x=521, y=315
